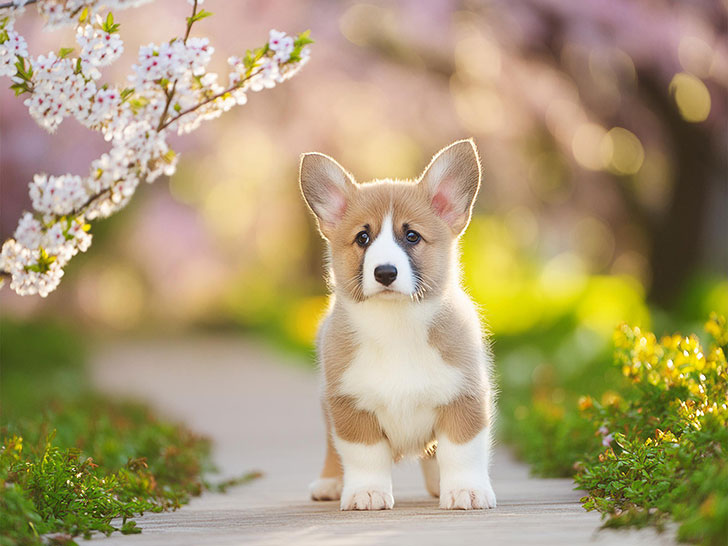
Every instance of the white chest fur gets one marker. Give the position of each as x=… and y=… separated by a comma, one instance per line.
x=396, y=373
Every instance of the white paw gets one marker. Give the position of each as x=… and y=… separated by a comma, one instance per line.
x=325, y=489
x=467, y=499
x=367, y=499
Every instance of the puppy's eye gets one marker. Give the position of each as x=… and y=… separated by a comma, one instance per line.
x=412, y=237
x=362, y=239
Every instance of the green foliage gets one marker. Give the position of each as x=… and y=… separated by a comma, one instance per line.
x=71, y=461
x=64, y=52
x=651, y=442
x=666, y=441
x=23, y=77
x=103, y=461
x=301, y=41
x=41, y=364
x=3, y=32
x=198, y=16
x=44, y=262
x=551, y=439
x=109, y=26
x=540, y=377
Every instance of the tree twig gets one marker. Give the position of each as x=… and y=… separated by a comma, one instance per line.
x=160, y=126
x=190, y=22
x=208, y=100
x=12, y=4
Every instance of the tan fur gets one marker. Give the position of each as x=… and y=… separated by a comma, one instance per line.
x=332, y=463
x=336, y=346
x=462, y=419
x=453, y=336
x=352, y=424
x=458, y=340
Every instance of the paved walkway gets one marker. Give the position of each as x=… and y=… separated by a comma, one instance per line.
x=263, y=414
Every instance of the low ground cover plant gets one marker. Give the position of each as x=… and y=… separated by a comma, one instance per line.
x=664, y=440
x=650, y=443
x=71, y=462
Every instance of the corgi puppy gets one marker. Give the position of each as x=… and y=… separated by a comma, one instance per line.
x=405, y=369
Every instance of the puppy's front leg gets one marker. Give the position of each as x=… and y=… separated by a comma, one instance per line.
x=367, y=475
x=365, y=456
x=463, y=455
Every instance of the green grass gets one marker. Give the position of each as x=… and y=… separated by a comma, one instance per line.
x=73, y=461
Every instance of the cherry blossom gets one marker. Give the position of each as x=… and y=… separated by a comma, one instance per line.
x=57, y=194
x=13, y=46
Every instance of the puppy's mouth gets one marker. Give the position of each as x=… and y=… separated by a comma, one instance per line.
x=389, y=294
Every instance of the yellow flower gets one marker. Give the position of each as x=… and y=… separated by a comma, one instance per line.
x=611, y=398
x=717, y=327
x=585, y=403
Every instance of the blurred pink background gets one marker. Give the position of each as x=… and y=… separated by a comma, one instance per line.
x=601, y=125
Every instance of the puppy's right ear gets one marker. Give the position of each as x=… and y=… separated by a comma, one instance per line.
x=326, y=187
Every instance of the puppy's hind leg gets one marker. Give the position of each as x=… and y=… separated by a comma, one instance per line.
x=329, y=484
x=431, y=472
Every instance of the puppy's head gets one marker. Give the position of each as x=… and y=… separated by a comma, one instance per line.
x=389, y=238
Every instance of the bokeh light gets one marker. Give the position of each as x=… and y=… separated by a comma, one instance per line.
x=691, y=96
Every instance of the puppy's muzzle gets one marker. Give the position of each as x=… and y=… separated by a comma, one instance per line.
x=385, y=274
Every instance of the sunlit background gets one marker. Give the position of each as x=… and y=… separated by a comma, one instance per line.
x=601, y=125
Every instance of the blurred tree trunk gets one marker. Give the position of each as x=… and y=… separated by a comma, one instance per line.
x=675, y=237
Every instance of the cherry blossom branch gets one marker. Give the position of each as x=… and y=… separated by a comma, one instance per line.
x=190, y=21
x=13, y=5
x=171, y=74
x=207, y=101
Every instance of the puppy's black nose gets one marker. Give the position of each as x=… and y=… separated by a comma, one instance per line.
x=385, y=274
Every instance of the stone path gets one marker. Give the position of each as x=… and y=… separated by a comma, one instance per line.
x=262, y=411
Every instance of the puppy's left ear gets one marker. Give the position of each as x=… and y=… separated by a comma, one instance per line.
x=327, y=188
x=452, y=180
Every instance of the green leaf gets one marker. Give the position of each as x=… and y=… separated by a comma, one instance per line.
x=84, y=15
x=169, y=156
x=19, y=88
x=109, y=25
x=138, y=103
x=22, y=72
x=65, y=52
x=303, y=38
x=261, y=51
x=130, y=528
x=198, y=16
